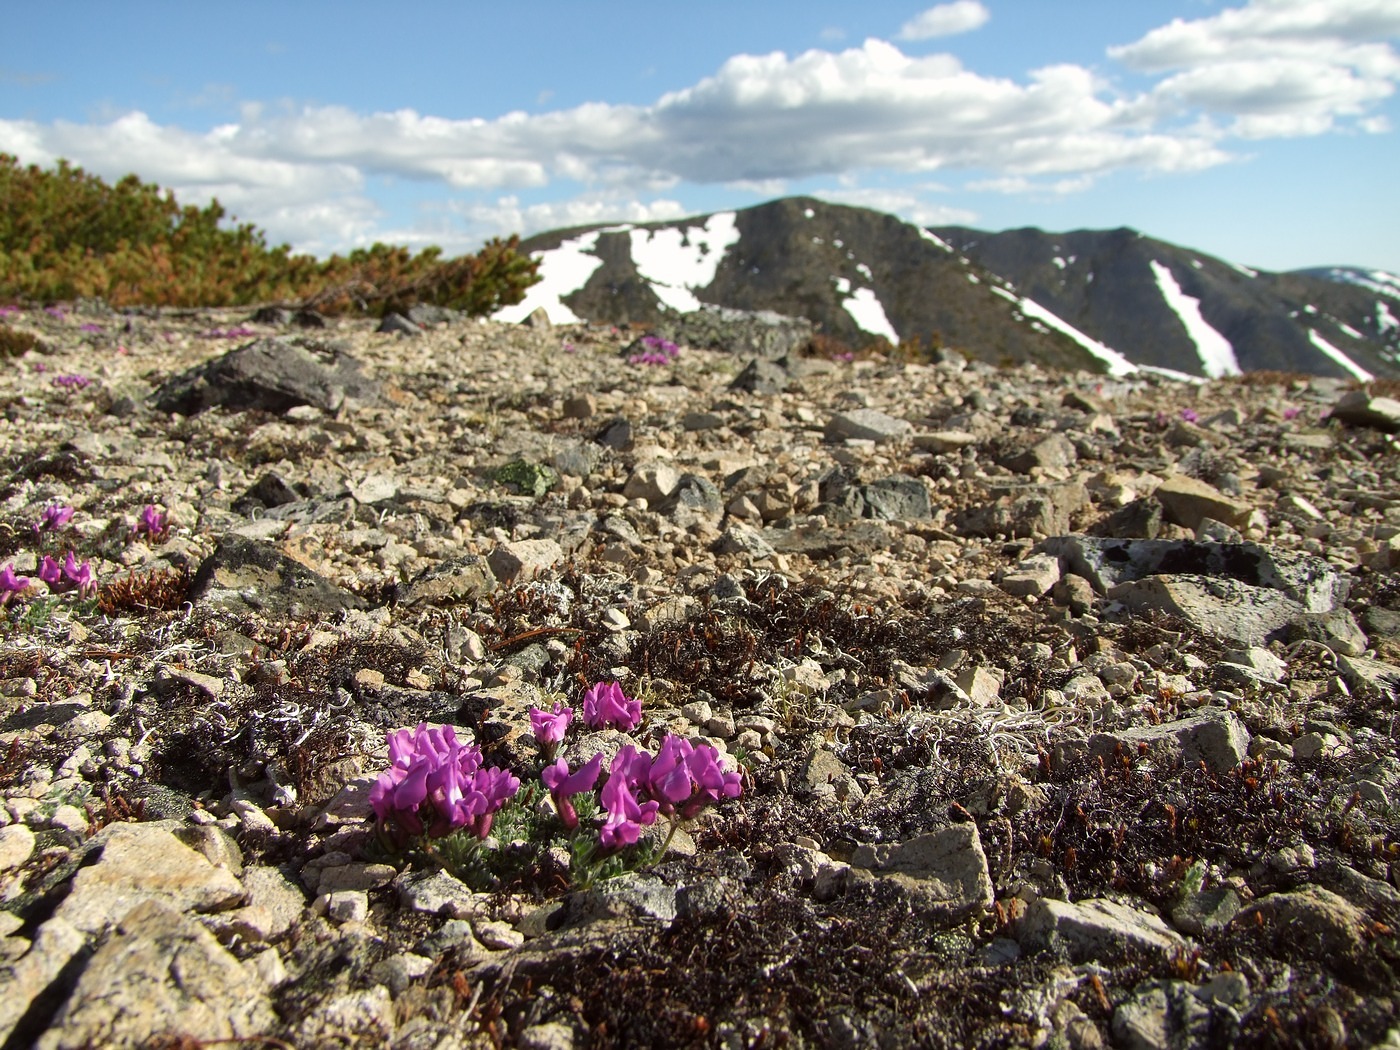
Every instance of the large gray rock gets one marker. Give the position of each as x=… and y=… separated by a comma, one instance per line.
x=244, y=574
x=269, y=374
x=1216, y=737
x=145, y=862
x=944, y=871
x=160, y=973
x=1359, y=408
x=34, y=980
x=745, y=333
x=1186, y=501
x=866, y=424
x=1094, y=928
x=1310, y=582
x=458, y=580
x=1025, y=510
x=694, y=501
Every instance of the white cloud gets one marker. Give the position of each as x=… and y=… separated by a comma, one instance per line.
x=1280, y=67
x=961, y=16
x=907, y=204
x=308, y=174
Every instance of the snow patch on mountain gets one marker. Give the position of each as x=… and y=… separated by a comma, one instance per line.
x=563, y=271
x=1118, y=365
x=1339, y=357
x=1216, y=354
x=1385, y=320
x=678, y=260
x=869, y=315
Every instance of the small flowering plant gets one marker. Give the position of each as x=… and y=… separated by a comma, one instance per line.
x=436, y=785
x=72, y=381
x=606, y=705
x=653, y=350
x=438, y=794
x=54, y=517
x=152, y=523
x=11, y=585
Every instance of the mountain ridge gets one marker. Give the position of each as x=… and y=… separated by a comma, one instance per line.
x=1108, y=300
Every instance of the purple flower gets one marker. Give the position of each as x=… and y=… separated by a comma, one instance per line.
x=50, y=572
x=655, y=351
x=54, y=517
x=686, y=777
x=605, y=705
x=436, y=785
x=1292, y=412
x=10, y=584
x=563, y=786
x=73, y=381
x=152, y=522
x=89, y=327
x=81, y=575
x=1190, y=415
x=626, y=813
x=55, y=311
x=549, y=726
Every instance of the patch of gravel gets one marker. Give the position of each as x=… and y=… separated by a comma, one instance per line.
x=1066, y=705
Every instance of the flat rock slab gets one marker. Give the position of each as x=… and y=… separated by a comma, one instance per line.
x=145, y=862
x=272, y=375
x=1092, y=929
x=945, y=870
x=524, y=559
x=246, y=574
x=1187, y=501
x=1361, y=409
x=1309, y=581
x=159, y=973
x=35, y=976
x=458, y=580
x=1216, y=737
x=866, y=424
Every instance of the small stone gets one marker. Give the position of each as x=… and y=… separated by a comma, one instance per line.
x=1034, y=575
x=866, y=424
x=16, y=846
x=496, y=935
x=347, y=906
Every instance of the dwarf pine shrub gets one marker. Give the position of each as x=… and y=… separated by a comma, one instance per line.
x=65, y=234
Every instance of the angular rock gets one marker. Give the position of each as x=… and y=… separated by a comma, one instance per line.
x=458, y=580
x=1093, y=929
x=1032, y=576
x=761, y=377
x=945, y=871
x=866, y=424
x=1359, y=408
x=145, y=862
x=36, y=980
x=1025, y=510
x=159, y=973
x=695, y=501
x=245, y=574
x=652, y=482
x=524, y=560
x=1214, y=736
x=272, y=375
x=1186, y=501
x=16, y=846
x=1055, y=452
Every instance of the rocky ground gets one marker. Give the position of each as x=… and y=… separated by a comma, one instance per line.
x=1066, y=706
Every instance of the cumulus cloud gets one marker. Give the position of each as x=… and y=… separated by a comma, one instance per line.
x=907, y=204
x=1267, y=68
x=961, y=16
x=1276, y=67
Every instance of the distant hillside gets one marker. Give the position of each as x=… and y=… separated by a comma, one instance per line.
x=1110, y=300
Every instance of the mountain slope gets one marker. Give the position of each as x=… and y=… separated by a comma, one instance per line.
x=1106, y=300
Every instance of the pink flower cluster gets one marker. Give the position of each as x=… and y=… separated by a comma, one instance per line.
x=238, y=332
x=605, y=705
x=655, y=351
x=11, y=585
x=151, y=522
x=436, y=785
x=54, y=517
x=68, y=575
x=73, y=381
x=680, y=780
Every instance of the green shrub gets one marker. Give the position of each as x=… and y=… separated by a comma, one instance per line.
x=65, y=234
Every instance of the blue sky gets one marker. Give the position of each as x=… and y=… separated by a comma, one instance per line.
x=1261, y=131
